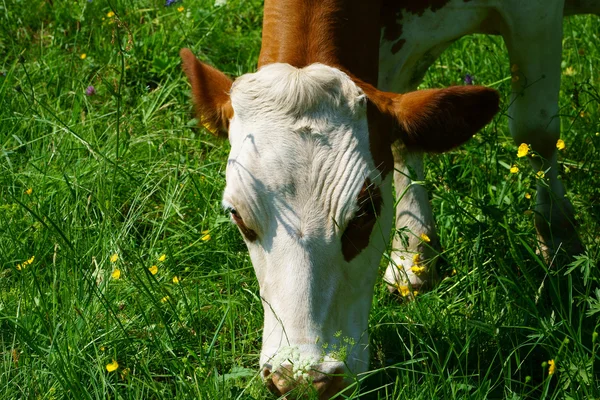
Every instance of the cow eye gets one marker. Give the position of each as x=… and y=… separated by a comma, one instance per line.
x=358, y=231
x=248, y=233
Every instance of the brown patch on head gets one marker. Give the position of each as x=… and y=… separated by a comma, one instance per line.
x=358, y=231
x=210, y=92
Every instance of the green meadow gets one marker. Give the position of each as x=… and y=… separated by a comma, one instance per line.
x=121, y=276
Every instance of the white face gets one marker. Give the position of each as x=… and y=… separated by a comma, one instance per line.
x=299, y=166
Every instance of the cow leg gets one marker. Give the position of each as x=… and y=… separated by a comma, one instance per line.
x=414, y=244
x=535, y=56
x=412, y=263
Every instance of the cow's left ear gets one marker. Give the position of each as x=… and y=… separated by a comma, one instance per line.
x=210, y=92
x=436, y=120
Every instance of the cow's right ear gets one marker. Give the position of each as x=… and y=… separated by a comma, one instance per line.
x=210, y=92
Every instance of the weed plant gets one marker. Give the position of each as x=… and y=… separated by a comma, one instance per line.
x=121, y=277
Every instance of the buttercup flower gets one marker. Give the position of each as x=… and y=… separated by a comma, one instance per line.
x=523, y=150
x=514, y=169
x=551, y=367
x=25, y=263
x=175, y=280
x=180, y=8
x=114, y=258
x=83, y=56
x=110, y=14
x=404, y=290
x=206, y=236
x=116, y=274
x=164, y=299
x=425, y=238
x=560, y=144
x=153, y=269
x=110, y=367
x=540, y=174
x=417, y=269
x=29, y=191
x=527, y=196
x=162, y=258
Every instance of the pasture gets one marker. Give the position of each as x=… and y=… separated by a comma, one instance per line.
x=122, y=277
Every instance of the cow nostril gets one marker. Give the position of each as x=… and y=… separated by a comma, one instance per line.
x=266, y=372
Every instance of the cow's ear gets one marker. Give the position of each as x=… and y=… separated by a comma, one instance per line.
x=210, y=92
x=436, y=120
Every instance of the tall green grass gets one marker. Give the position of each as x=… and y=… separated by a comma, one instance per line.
x=126, y=172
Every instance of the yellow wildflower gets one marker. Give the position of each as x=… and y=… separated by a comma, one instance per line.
x=416, y=259
x=116, y=274
x=425, y=238
x=110, y=14
x=164, y=299
x=514, y=169
x=29, y=191
x=102, y=348
x=162, y=258
x=110, y=367
x=25, y=263
x=417, y=269
x=404, y=290
x=540, y=174
x=523, y=150
x=153, y=269
x=175, y=280
x=415, y=293
x=527, y=196
x=114, y=258
x=551, y=367
x=206, y=236
x=569, y=71
x=180, y=8
x=83, y=56
x=454, y=271
x=560, y=144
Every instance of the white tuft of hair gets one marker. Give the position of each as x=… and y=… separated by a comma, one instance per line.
x=283, y=89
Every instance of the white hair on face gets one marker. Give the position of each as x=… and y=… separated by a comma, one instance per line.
x=282, y=88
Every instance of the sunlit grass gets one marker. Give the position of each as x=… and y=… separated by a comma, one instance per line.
x=120, y=179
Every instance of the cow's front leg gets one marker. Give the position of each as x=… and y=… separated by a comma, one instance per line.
x=412, y=260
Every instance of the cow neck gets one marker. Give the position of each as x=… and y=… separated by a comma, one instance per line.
x=341, y=34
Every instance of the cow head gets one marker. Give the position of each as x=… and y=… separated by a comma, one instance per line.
x=309, y=191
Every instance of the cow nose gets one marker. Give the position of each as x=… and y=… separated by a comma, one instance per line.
x=282, y=381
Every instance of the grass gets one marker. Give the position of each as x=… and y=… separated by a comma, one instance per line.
x=127, y=172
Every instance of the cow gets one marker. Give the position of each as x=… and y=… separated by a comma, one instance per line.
x=321, y=130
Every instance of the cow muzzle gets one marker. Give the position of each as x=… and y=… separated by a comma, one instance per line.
x=326, y=380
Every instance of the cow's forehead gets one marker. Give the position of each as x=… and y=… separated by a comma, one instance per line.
x=293, y=159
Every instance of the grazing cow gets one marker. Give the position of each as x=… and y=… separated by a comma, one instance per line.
x=314, y=145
